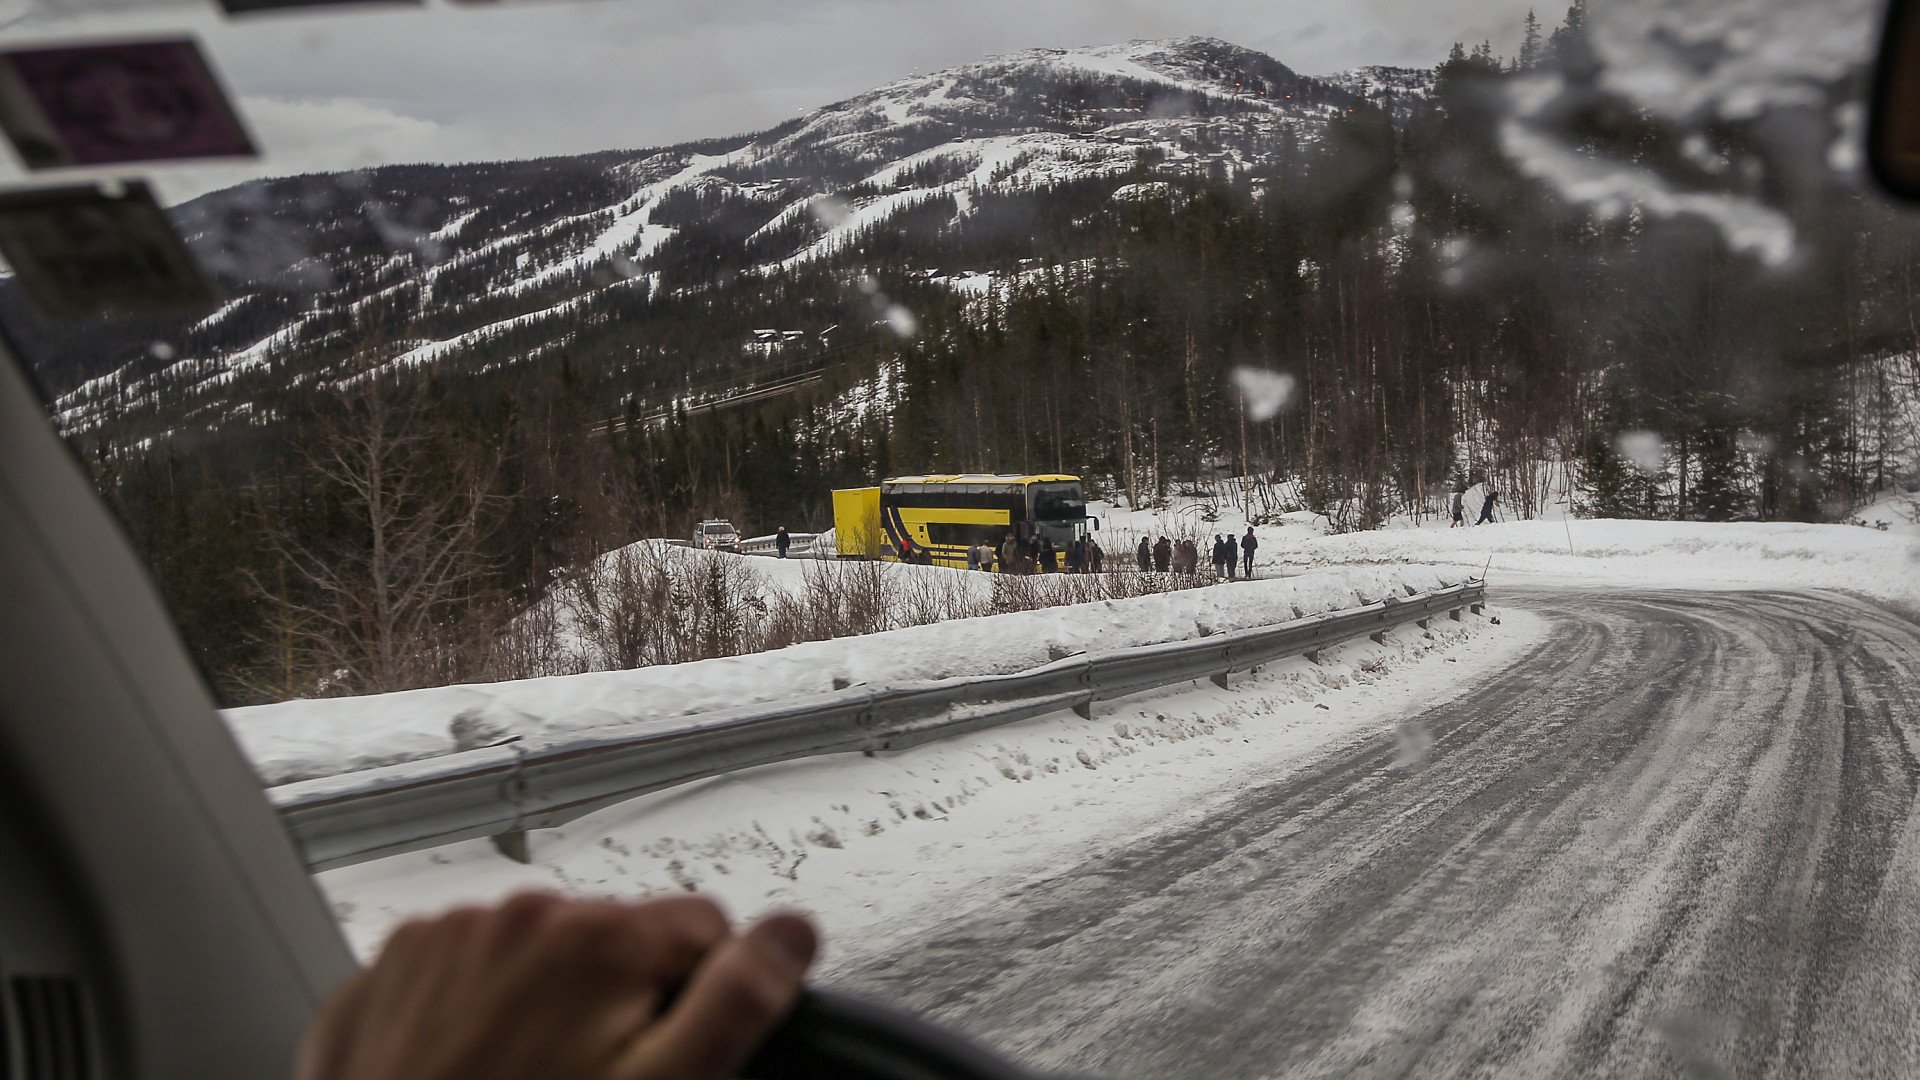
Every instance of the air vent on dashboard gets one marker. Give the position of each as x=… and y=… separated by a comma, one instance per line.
x=44, y=1031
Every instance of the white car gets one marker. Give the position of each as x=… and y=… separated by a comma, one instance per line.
x=716, y=535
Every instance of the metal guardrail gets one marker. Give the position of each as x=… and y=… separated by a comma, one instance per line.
x=798, y=545
x=503, y=791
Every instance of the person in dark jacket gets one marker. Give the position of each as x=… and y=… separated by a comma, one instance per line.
x=1163, y=555
x=781, y=541
x=1219, y=558
x=1486, y=508
x=1247, y=546
x=1094, y=555
x=1077, y=556
x=981, y=555
x=1049, y=558
x=1144, y=553
x=1010, y=555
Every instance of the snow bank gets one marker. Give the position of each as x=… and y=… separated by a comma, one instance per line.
x=880, y=847
x=1867, y=561
x=298, y=740
x=1893, y=512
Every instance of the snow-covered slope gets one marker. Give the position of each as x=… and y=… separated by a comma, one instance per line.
x=1395, y=89
x=491, y=265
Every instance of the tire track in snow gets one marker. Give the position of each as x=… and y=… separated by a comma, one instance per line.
x=1678, y=837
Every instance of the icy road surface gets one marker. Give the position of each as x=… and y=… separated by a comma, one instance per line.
x=1676, y=838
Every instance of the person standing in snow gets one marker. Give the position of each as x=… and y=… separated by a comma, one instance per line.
x=983, y=554
x=1076, y=556
x=973, y=557
x=1231, y=556
x=1009, y=555
x=1094, y=554
x=1247, y=546
x=1459, y=509
x=1144, y=553
x=1163, y=555
x=1219, y=558
x=1486, y=508
x=1049, y=558
x=781, y=541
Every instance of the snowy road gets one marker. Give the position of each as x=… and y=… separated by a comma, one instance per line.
x=1678, y=837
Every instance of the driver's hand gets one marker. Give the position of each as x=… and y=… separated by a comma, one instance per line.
x=557, y=989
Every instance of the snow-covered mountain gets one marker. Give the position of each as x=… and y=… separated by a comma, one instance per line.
x=479, y=267
x=1395, y=89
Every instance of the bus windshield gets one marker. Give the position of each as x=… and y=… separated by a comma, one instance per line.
x=1063, y=502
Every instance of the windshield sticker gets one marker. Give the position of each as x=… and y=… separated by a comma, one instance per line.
x=111, y=104
x=98, y=249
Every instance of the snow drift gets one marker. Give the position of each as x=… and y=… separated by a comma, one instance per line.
x=297, y=740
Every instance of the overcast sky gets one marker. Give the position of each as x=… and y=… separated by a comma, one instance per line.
x=345, y=86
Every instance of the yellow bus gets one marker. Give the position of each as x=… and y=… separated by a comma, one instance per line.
x=942, y=516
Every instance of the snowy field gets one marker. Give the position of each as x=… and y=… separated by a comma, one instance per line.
x=878, y=846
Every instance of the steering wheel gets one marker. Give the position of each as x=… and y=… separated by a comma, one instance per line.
x=831, y=1035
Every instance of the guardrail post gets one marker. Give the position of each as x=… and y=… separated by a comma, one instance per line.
x=514, y=845
x=1219, y=679
x=1084, y=710
x=1424, y=624
x=1454, y=614
x=1378, y=637
x=1477, y=608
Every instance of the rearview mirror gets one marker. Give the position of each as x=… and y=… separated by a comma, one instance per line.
x=1893, y=130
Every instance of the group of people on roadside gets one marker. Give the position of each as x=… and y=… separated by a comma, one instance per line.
x=1037, y=554
x=1460, y=510
x=1183, y=556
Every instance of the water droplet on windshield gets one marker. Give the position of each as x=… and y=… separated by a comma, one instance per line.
x=1645, y=449
x=1265, y=392
x=1412, y=744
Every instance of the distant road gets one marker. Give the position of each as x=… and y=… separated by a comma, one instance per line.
x=1677, y=838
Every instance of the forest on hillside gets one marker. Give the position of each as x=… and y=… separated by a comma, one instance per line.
x=1446, y=313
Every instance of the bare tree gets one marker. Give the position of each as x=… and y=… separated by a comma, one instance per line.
x=377, y=595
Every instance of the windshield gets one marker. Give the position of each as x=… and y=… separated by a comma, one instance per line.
x=1058, y=502
x=1480, y=639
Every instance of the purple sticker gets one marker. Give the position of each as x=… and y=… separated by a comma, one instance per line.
x=109, y=104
